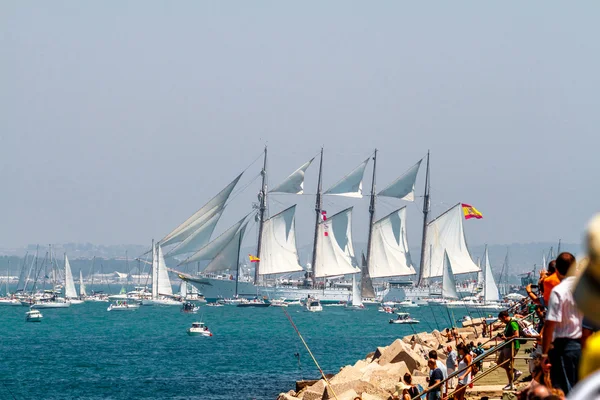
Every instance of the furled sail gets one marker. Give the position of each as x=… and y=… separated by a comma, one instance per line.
x=336, y=254
x=164, y=283
x=228, y=257
x=278, y=252
x=389, y=247
x=200, y=217
x=82, y=291
x=154, y=273
x=351, y=184
x=490, y=290
x=404, y=187
x=366, y=284
x=448, y=281
x=211, y=250
x=70, y=291
x=446, y=233
x=480, y=277
x=198, y=239
x=294, y=183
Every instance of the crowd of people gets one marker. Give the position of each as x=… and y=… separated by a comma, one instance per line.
x=564, y=362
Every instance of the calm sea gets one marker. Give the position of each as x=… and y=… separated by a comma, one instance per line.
x=85, y=352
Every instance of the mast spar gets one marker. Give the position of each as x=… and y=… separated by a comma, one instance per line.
x=317, y=219
x=425, y=214
x=262, y=197
x=371, y=210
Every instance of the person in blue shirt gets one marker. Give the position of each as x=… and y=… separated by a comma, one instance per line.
x=435, y=377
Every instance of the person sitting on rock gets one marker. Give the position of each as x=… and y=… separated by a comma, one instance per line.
x=449, y=335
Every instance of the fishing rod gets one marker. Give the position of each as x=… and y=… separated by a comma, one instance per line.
x=309, y=352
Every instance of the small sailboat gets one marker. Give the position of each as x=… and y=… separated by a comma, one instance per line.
x=162, y=291
x=52, y=302
x=491, y=294
x=199, y=329
x=355, y=302
x=70, y=291
x=33, y=316
x=404, y=318
x=123, y=305
x=7, y=301
x=313, y=305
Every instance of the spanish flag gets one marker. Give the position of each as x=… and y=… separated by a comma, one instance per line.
x=253, y=258
x=471, y=212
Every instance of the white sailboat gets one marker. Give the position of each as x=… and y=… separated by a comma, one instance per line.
x=82, y=292
x=491, y=294
x=449, y=292
x=355, y=302
x=70, y=291
x=162, y=291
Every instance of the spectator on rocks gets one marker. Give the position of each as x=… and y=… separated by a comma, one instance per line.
x=506, y=353
x=435, y=377
x=563, y=328
x=449, y=335
x=405, y=390
x=434, y=355
x=451, y=364
x=549, y=282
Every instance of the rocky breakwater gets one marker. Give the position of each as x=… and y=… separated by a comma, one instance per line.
x=375, y=377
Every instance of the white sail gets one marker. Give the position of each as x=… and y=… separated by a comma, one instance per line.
x=154, y=273
x=335, y=251
x=490, y=290
x=351, y=184
x=278, y=252
x=544, y=263
x=366, y=284
x=82, y=291
x=480, y=277
x=446, y=233
x=164, y=283
x=294, y=183
x=198, y=239
x=356, y=296
x=204, y=214
x=183, y=289
x=448, y=281
x=404, y=187
x=389, y=248
x=211, y=250
x=70, y=291
x=228, y=257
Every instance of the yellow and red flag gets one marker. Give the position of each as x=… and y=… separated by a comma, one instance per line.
x=253, y=258
x=471, y=212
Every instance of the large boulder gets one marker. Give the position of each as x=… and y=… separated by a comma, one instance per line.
x=287, y=396
x=400, y=351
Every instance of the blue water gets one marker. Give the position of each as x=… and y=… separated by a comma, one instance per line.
x=85, y=352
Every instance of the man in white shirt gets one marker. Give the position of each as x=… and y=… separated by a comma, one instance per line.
x=562, y=329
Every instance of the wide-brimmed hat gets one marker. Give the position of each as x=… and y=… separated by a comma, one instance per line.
x=587, y=290
x=400, y=386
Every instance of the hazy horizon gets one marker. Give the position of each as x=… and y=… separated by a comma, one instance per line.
x=119, y=121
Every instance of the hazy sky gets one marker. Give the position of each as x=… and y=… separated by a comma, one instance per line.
x=119, y=119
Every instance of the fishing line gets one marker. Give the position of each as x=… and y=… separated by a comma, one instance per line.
x=309, y=352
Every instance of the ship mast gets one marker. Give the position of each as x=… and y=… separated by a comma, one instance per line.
x=371, y=210
x=262, y=198
x=317, y=219
x=425, y=214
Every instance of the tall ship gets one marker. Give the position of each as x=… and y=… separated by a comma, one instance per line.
x=334, y=266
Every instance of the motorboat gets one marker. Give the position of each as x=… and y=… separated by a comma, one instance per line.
x=33, y=316
x=139, y=293
x=294, y=303
x=216, y=304
x=123, y=305
x=341, y=303
x=386, y=309
x=404, y=318
x=313, y=305
x=199, y=329
x=278, y=303
x=189, y=307
x=255, y=302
